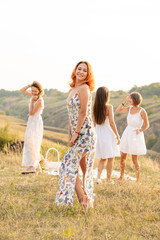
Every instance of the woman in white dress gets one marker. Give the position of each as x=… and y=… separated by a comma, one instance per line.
x=34, y=130
x=106, y=130
x=132, y=141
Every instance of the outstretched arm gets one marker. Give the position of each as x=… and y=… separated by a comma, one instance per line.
x=112, y=122
x=24, y=90
x=121, y=108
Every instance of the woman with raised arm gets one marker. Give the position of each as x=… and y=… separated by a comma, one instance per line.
x=81, y=139
x=34, y=130
x=132, y=141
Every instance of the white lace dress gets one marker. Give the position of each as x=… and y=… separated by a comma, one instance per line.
x=33, y=138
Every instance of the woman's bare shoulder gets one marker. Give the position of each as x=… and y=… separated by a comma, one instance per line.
x=70, y=90
x=109, y=106
x=84, y=88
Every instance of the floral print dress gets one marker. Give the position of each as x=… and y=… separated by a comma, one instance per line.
x=71, y=161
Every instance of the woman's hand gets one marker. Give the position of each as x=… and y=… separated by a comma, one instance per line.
x=138, y=131
x=127, y=98
x=118, y=140
x=69, y=140
x=73, y=139
x=34, y=98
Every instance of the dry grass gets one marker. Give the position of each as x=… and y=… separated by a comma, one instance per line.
x=123, y=211
x=18, y=126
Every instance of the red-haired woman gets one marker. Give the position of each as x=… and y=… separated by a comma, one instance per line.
x=34, y=130
x=81, y=140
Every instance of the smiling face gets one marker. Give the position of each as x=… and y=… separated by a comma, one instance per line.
x=81, y=72
x=34, y=91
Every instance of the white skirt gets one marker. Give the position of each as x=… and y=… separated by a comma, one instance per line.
x=32, y=141
x=106, y=145
x=132, y=143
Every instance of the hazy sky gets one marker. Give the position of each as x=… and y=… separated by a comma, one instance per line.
x=44, y=39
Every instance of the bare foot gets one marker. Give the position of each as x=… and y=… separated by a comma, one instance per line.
x=109, y=182
x=138, y=177
x=120, y=179
x=85, y=202
x=137, y=180
x=38, y=170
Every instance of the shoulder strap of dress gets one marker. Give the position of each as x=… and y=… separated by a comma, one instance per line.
x=41, y=100
x=140, y=110
x=130, y=109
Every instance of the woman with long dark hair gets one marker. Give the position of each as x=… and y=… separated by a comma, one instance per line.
x=106, y=130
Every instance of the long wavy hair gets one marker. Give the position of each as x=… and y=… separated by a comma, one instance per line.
x=100, y=105
x=89, y=79
x=39, y=87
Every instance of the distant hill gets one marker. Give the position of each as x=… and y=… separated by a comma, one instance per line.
x=148, y=90
x=15, y=103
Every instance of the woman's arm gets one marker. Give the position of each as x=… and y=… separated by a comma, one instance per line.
x=112, y=122
x=34, y=108
x=83, y=97
x=24, y=90
x=145, y=122
x=121, y=108
x=69, y=134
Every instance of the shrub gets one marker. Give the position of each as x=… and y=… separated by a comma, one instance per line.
x=6, y=137
x=151, y=140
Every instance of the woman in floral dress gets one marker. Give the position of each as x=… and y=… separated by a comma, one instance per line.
x=81, y=140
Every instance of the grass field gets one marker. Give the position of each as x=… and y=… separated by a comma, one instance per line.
x=124, y=210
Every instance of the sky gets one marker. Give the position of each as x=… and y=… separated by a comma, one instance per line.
x=43, y=40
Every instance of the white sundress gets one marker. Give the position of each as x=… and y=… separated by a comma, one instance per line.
x=33, y=139
x=106, y=145
x=132, y=143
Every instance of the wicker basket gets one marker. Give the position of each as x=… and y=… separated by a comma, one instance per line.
x=52, y=167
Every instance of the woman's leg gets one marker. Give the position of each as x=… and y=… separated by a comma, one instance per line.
x=79, y=190
x=109, y=168
x=101, y=167
x=83, y=167
x=122, y=165
x=82, y=197
x=136, y=164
